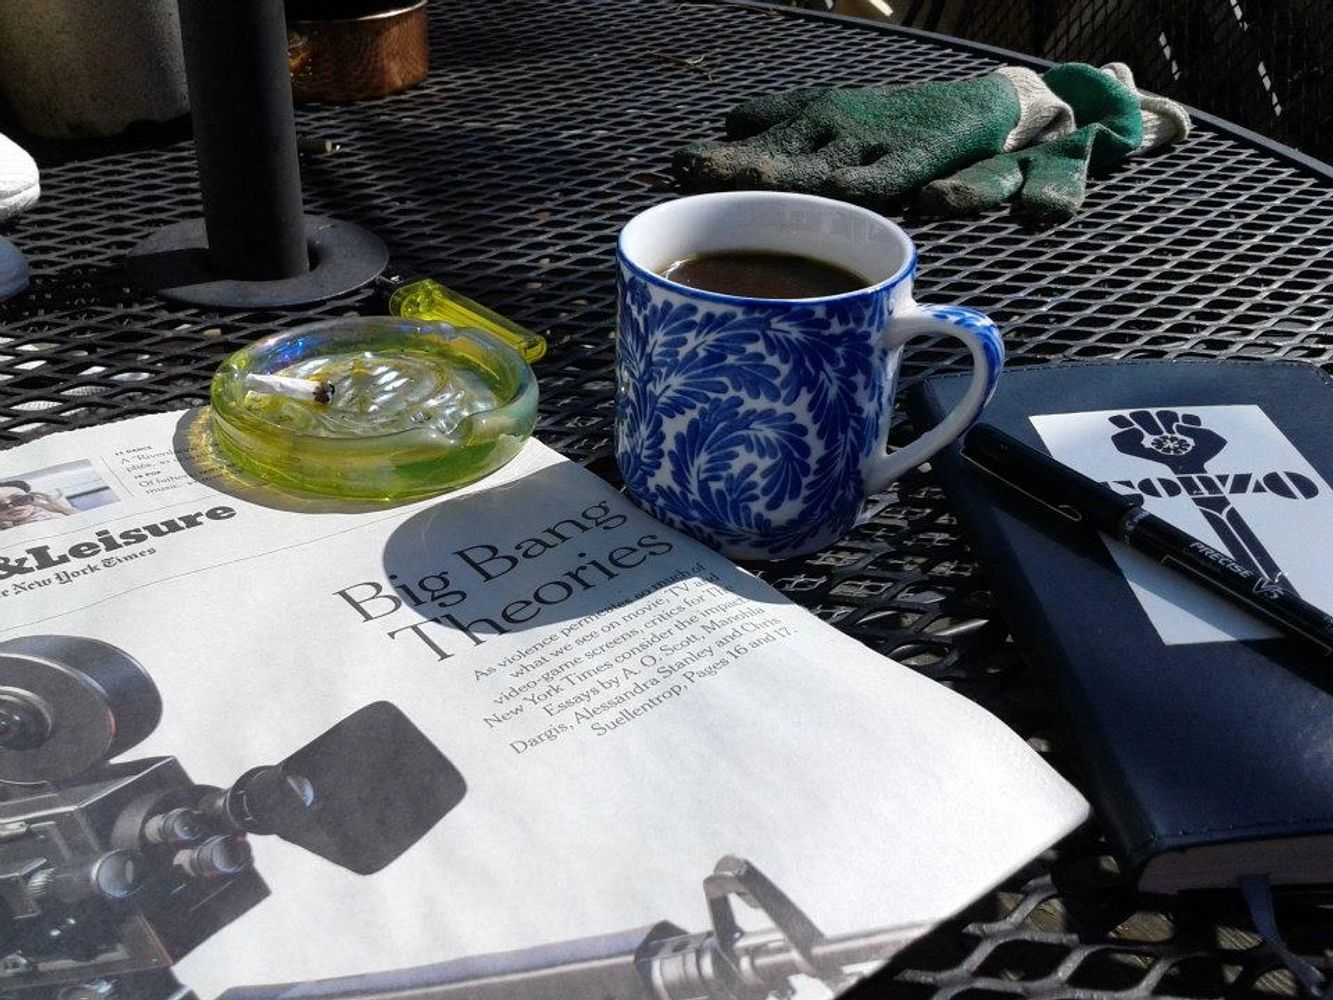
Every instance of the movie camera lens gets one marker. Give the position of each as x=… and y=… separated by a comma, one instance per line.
x=359, y=795
x=23, y=723
x=216, y=857
x=175, y=827
x=95, y=989
x=68, y=704
x=114, y=875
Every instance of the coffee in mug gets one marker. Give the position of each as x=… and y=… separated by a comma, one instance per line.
x=761, y=274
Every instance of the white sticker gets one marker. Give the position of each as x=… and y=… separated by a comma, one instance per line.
x=1226, y=475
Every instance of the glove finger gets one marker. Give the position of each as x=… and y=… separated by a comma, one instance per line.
x=783, y=154
x=723, y=166
x=974, y=189
x=756, y=169
x=1099, y=98
x=1054, y=189
x=1056, y=177
x=809, y=171
x=761, y=113
x=845, y=152
x=876, y=183
x=901, y=161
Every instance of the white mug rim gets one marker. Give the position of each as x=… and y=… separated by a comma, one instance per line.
x=892, y=229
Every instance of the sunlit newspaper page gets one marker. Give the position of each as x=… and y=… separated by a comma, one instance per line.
x=517, y=726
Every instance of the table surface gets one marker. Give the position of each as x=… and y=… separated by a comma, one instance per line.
x=540, y=131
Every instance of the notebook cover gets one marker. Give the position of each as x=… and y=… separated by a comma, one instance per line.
x=1202, y=728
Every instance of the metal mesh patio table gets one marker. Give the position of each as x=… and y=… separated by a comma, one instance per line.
x=543, y=127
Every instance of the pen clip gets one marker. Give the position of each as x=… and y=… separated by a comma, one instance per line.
x=1064, y=510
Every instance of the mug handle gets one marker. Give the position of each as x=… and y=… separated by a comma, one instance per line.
x=982, y=338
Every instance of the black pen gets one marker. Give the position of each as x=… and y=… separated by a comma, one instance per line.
x=1074, y=496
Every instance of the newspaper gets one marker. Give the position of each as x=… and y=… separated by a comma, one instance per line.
x=533, y=743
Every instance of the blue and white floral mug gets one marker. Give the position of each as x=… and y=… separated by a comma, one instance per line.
x=759, y=425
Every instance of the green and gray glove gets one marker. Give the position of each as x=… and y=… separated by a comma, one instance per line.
x=1048, y=179
x=874, y=145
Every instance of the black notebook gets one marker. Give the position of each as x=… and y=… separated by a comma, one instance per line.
x=1207, y=740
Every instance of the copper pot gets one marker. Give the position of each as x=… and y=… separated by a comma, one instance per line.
x=355, y=58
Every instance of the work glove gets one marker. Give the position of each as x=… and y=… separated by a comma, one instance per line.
x=1048, y=179
x=874, y=145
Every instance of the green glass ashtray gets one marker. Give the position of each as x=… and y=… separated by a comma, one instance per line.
x=374, y=408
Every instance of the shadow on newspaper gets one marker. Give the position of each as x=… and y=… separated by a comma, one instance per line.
x=553, y=547
x=198, y=455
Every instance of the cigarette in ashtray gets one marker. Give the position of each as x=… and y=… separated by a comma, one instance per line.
x=315, y=390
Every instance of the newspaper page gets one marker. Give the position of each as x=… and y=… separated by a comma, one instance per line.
x=518, y=741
